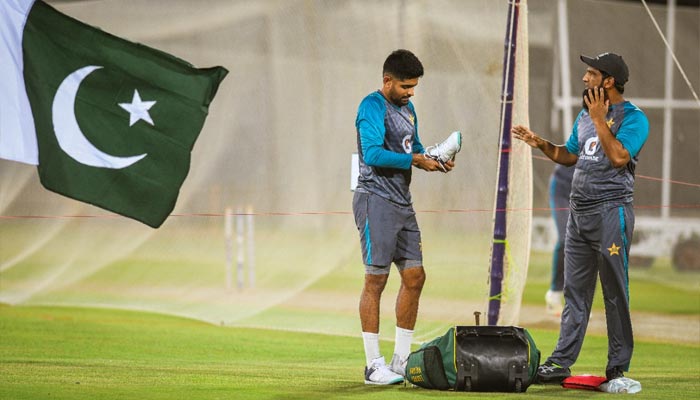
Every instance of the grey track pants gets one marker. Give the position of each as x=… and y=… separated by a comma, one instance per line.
x=597, y=244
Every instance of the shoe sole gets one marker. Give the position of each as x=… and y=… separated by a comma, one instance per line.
x=552, y=379
x=395, y=382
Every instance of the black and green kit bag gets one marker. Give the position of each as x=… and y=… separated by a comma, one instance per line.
x=476, y=358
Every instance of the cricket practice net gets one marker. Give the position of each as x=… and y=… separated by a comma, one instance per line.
x=263, y=233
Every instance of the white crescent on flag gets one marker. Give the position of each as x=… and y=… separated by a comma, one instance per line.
x=70, y=138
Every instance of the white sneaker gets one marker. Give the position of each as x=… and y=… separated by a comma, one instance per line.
x=378, y=373
x=621, y=385
x=445, y=151
x=398, y=365
x=554, y=302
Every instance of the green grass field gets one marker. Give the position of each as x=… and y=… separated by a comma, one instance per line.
x=658, y=289
x=106, y=353
x=83, y=353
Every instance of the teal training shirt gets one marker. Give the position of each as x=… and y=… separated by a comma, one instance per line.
x=387, y=135
x=596, y=183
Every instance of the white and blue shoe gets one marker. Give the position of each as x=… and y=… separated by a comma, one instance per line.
x=378, y=373
x=445, y=151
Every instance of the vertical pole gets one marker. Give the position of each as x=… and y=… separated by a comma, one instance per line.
x=499, y=226
x=240, y=250
x=251, y=246
x=228, y=240
x=668, y=112
x=557, y=101
x=563, y=26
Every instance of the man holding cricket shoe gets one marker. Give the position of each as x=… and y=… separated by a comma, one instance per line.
x=388, y=147
x=607, y=136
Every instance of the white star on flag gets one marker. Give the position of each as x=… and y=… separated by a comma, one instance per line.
x=138, y=109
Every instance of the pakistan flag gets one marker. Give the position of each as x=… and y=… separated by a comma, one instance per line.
x=107, y=121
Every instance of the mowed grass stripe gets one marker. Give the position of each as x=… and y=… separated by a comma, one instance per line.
x=83, y=353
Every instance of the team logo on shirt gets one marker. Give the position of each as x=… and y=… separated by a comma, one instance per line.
x=589, y=149
x=610, y=122
x=412, y=119
x=614, y=250
x=407, y=143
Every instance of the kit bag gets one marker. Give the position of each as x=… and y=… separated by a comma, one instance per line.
x=432, y=366
x=476, y=358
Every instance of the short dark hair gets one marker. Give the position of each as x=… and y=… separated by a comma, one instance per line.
x=402, y=64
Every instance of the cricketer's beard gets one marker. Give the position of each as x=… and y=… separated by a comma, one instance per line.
x=585, y=94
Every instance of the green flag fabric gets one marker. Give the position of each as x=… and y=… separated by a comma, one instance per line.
x=115, y=121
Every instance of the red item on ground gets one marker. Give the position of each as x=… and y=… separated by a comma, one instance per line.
x=585, y=382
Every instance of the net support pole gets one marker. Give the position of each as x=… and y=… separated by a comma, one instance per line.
x=565, y=67
x=250, y=222
x=668, y=112
x=240, y=258
x=228, y=240
x=498, y=251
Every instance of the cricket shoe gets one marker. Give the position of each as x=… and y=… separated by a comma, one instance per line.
x=445, y=151
x=378, y=373
x=554, y=302
x=398, y=365
x=550, y=372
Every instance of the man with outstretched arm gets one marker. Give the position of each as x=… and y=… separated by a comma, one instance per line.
x=607, y=136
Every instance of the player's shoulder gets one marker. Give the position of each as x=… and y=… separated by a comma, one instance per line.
x=372, y=107
x=634, y=115
x=633, y=110
x=373, y=100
